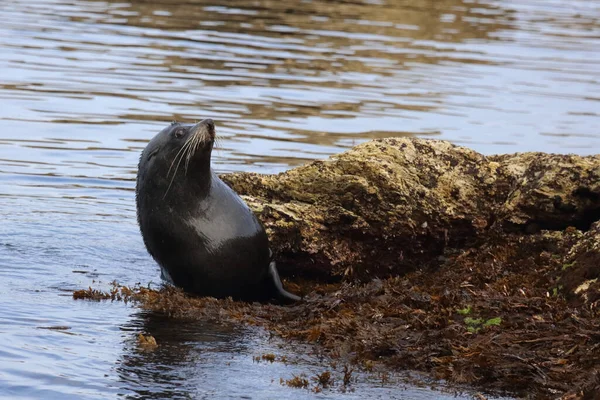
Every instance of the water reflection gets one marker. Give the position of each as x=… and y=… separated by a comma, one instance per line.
x=177, y=366
x=295, y=80
x=209, y=360
x=85, y=84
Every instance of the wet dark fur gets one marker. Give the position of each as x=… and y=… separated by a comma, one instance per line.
x=201, y=233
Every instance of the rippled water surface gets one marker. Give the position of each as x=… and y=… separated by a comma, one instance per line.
x=85, y=84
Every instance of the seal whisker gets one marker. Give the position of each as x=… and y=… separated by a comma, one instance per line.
x=175, y=158
x=180, y=154
x=184, y=152
x=191, y=150
x=197, y=140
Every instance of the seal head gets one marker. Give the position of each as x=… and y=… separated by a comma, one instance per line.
x=201, y=233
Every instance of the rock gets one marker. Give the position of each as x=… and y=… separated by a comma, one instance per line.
x=550, y=191
x=389, y=206
x=581, y=268
x=383, y=207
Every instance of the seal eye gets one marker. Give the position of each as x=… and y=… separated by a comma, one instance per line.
x=179, y=133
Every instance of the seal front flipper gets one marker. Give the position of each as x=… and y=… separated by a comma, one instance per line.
x=279, y=292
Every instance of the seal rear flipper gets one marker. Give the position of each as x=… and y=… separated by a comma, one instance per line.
x=279, y=292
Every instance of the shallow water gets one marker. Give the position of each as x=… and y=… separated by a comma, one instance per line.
x=84, y=84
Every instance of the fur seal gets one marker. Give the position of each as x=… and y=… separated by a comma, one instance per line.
x=201, y=233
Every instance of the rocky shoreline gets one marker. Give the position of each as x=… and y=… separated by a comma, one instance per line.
x=421, y=255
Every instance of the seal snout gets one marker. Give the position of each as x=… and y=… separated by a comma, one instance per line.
x=205, y=130
x=209, y=123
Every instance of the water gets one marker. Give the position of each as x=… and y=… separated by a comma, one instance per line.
x=84, y=85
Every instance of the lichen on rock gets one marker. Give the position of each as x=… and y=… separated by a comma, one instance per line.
x=551, y=191
x=581, y=268
x=389, y=206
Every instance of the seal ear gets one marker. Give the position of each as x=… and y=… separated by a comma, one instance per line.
x=152, y=153
x=174, y=123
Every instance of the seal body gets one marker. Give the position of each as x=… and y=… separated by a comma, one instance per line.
x=201, y=233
